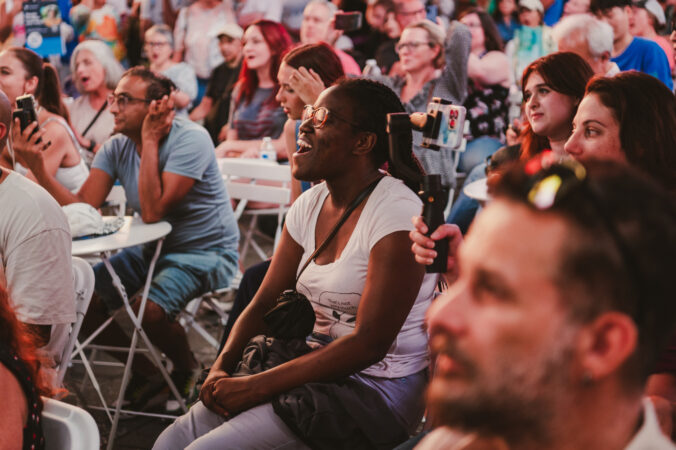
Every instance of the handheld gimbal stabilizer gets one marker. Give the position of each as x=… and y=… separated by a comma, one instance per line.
x=441, y=126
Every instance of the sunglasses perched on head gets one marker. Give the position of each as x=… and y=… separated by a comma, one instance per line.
x=551, y=182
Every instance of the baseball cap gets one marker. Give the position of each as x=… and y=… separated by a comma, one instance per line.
x=654, y=8
x=232, y=30
x=533, y=5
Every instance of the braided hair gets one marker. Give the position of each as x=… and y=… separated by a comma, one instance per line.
x=371, y=102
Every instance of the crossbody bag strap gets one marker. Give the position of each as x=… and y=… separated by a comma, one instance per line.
x=360, y=198
x=93, y=121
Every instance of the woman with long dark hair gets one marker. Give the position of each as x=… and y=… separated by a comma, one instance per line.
x=22, y=71
x=630, y=117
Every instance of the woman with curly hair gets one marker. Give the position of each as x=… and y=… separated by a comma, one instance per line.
x=21, y=383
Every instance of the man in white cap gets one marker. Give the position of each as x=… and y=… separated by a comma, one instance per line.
x=647, y=18
x=214, y=108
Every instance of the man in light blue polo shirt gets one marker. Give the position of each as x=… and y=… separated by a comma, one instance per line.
x=168, y=169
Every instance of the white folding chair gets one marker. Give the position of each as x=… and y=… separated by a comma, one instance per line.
x=83, y=277
x=254, y=180
x=244, y=180
x=67, y=427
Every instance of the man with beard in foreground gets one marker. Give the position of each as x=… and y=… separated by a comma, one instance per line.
x=563, y=301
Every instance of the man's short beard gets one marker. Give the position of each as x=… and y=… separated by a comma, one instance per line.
x=521, y=404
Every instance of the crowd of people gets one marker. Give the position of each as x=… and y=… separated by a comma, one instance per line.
x=553, y=325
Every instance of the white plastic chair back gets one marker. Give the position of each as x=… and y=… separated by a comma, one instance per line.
x=118, y=198
x=67, y=427
x=83, y=278
x=254, y=180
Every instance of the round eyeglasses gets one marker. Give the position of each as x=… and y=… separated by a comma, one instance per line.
x=123, y=100
x=319, y=116
x=401, y=46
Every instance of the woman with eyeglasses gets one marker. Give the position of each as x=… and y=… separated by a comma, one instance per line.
x=22, y=71
x=363, y=368
x=254, y=112
x=159, y=46
x=434, y=63
x=304, y=73
x=96, y=72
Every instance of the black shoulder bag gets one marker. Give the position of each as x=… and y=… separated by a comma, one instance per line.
x=293, y=316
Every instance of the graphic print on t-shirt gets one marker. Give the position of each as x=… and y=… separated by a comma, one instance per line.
x=336, y=311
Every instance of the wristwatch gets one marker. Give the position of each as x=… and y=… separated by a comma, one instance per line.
x=91, y=146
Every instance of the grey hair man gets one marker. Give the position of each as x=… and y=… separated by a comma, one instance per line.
x=590, y=38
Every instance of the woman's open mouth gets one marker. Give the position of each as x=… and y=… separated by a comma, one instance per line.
x=303, y=145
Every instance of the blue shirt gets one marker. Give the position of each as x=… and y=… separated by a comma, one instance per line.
x=647, y=57
x=203, y=219
x=507, y=31
x=553, y=13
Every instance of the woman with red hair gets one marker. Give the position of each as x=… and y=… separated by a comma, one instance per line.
x=20, y=383
x=254, y=112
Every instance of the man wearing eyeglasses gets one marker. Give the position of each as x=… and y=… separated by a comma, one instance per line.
x=563, y=301
x=168, y=169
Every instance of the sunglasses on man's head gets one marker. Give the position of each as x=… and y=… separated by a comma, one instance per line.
x=551, y=181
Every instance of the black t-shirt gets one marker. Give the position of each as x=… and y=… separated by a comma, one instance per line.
x=219, y=89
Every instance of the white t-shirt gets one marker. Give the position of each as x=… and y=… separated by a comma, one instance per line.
x=335, y=289
x=35, y=251
x=35, y=248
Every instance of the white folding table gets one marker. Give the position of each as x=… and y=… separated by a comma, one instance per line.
x=133, y=232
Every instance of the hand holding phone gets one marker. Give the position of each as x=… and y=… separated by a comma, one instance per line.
x=25, y=111
x=347, y=21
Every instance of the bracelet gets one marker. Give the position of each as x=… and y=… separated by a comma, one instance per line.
x=91, y=146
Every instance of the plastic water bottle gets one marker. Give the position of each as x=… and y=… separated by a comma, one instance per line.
x=514, y=99
x=371, y=68
x=268, y=151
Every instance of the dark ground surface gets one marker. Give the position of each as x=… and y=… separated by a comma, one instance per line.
x=137, y=432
